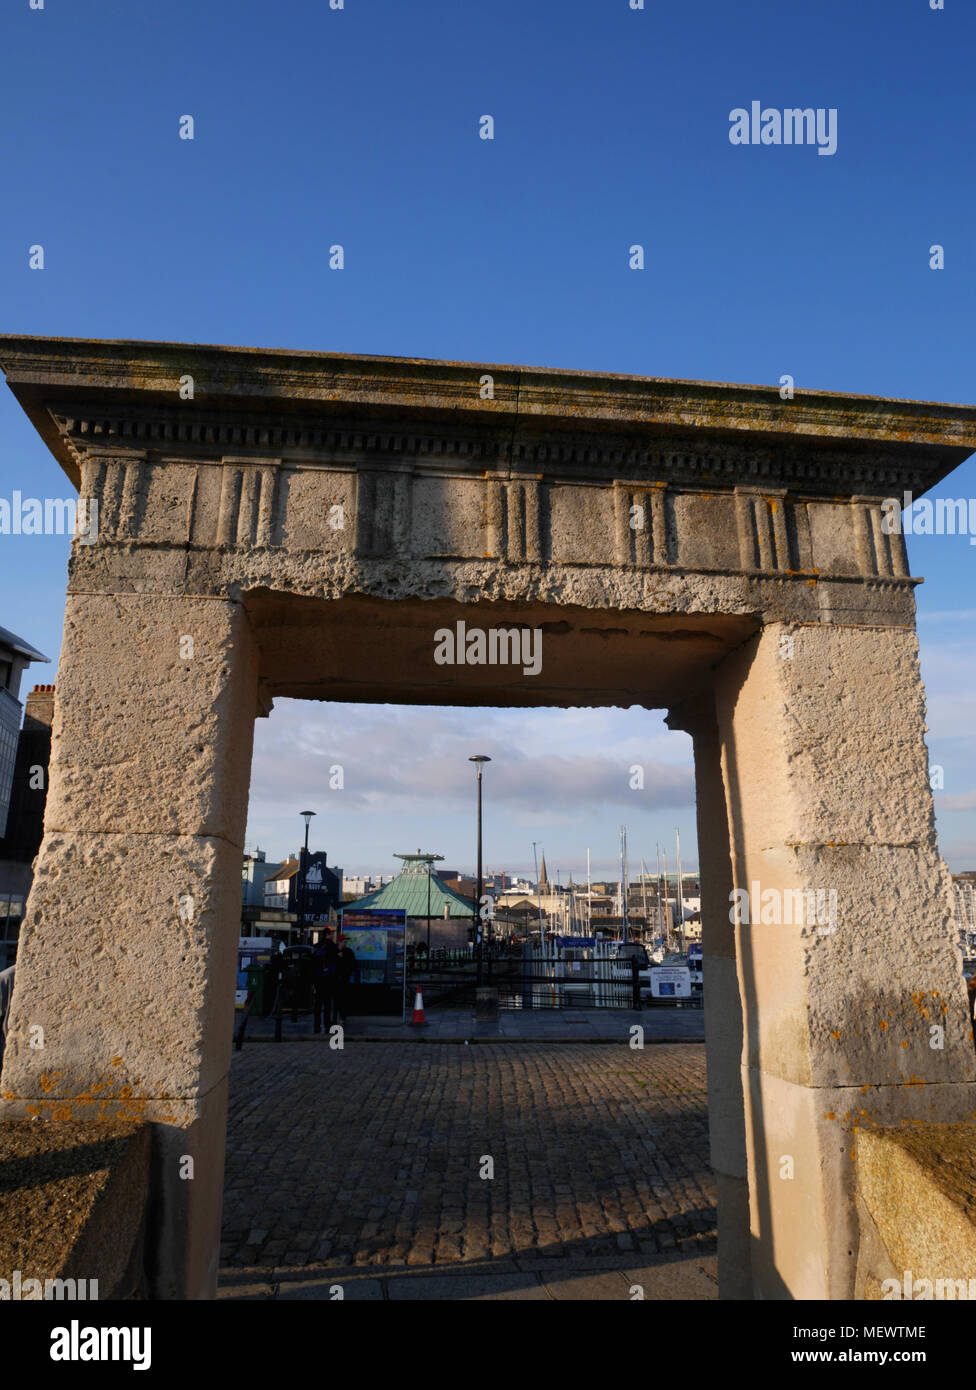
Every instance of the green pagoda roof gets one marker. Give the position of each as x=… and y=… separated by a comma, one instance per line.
x=409, y=890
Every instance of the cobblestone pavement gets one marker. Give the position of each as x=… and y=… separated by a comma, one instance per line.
x=368, y=1161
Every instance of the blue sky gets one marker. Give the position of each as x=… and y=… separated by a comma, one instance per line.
x=360, y=126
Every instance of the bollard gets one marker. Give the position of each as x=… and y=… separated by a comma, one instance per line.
x=486, y=1002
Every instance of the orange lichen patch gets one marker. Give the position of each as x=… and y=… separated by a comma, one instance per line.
x=915, y=1081
x=115, y=1062
x=125, y=1092
x=864, y=1088
x=9, y=1095
x=811, y=582
x=63, y=1112
x=904, y=1044
x=33, y=1111
x=883, y=1024
x=835, y=1033
x=829, y=1115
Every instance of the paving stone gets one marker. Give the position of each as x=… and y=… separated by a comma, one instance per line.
x=611, y=1286
x=245, y=1293
x=464, y=1287
x=382, y=1170
x=323, y=1290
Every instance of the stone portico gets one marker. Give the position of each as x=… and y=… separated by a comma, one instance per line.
x=302, y=526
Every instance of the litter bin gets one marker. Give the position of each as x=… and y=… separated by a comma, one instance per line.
x=260, y=983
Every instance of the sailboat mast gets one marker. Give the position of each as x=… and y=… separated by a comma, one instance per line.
x=644, y=893
x=667, y=900
x=681, y=897
x=623, y=883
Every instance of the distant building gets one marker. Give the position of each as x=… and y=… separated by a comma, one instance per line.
x=323, y=887
x=464, y=887
x=964, y=911
x=252, y=879
x=15, y=656
x=24, y=757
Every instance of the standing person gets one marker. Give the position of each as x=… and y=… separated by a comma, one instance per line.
x=347, y=964
x=326, y=960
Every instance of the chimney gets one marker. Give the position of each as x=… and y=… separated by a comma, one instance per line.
x=39, y=708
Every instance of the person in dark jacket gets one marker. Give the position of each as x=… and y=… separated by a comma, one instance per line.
x=326, y=961
x=347, y=964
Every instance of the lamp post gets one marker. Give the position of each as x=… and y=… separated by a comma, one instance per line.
x=479, y=759
x=307, y=815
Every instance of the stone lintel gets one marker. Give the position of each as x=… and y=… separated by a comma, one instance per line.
x=96, y=383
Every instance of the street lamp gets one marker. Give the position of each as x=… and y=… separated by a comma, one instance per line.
x=307, y=816
x=479, y=759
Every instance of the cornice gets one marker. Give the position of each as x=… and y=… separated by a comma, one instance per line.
x=553, y=416
x=455, y=449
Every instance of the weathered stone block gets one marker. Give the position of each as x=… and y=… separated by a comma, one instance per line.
x=73, y=1200
x=918, y=1187
x=154, y=718
x=135, y=1006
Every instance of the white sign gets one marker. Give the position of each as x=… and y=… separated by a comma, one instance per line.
x=670, y=982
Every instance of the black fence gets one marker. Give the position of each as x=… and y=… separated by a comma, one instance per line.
x=556, y=985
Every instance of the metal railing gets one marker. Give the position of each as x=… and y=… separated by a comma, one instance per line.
x=532, y=984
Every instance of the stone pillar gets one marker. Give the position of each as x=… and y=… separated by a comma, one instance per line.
x=853, y=1002
x=123, y=1000
x=723, y=1008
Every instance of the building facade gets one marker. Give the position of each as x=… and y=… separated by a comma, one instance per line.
x=24, y=756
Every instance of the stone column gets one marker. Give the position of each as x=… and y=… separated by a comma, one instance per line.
x=723, y=1008
x=123, y=1001
x=855, y=1014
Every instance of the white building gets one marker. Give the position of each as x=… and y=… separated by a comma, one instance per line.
x=964, y=917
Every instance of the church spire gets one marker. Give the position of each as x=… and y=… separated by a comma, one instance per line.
x=544, y=880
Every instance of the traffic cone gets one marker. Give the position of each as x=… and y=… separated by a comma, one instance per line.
x=418, y=1010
